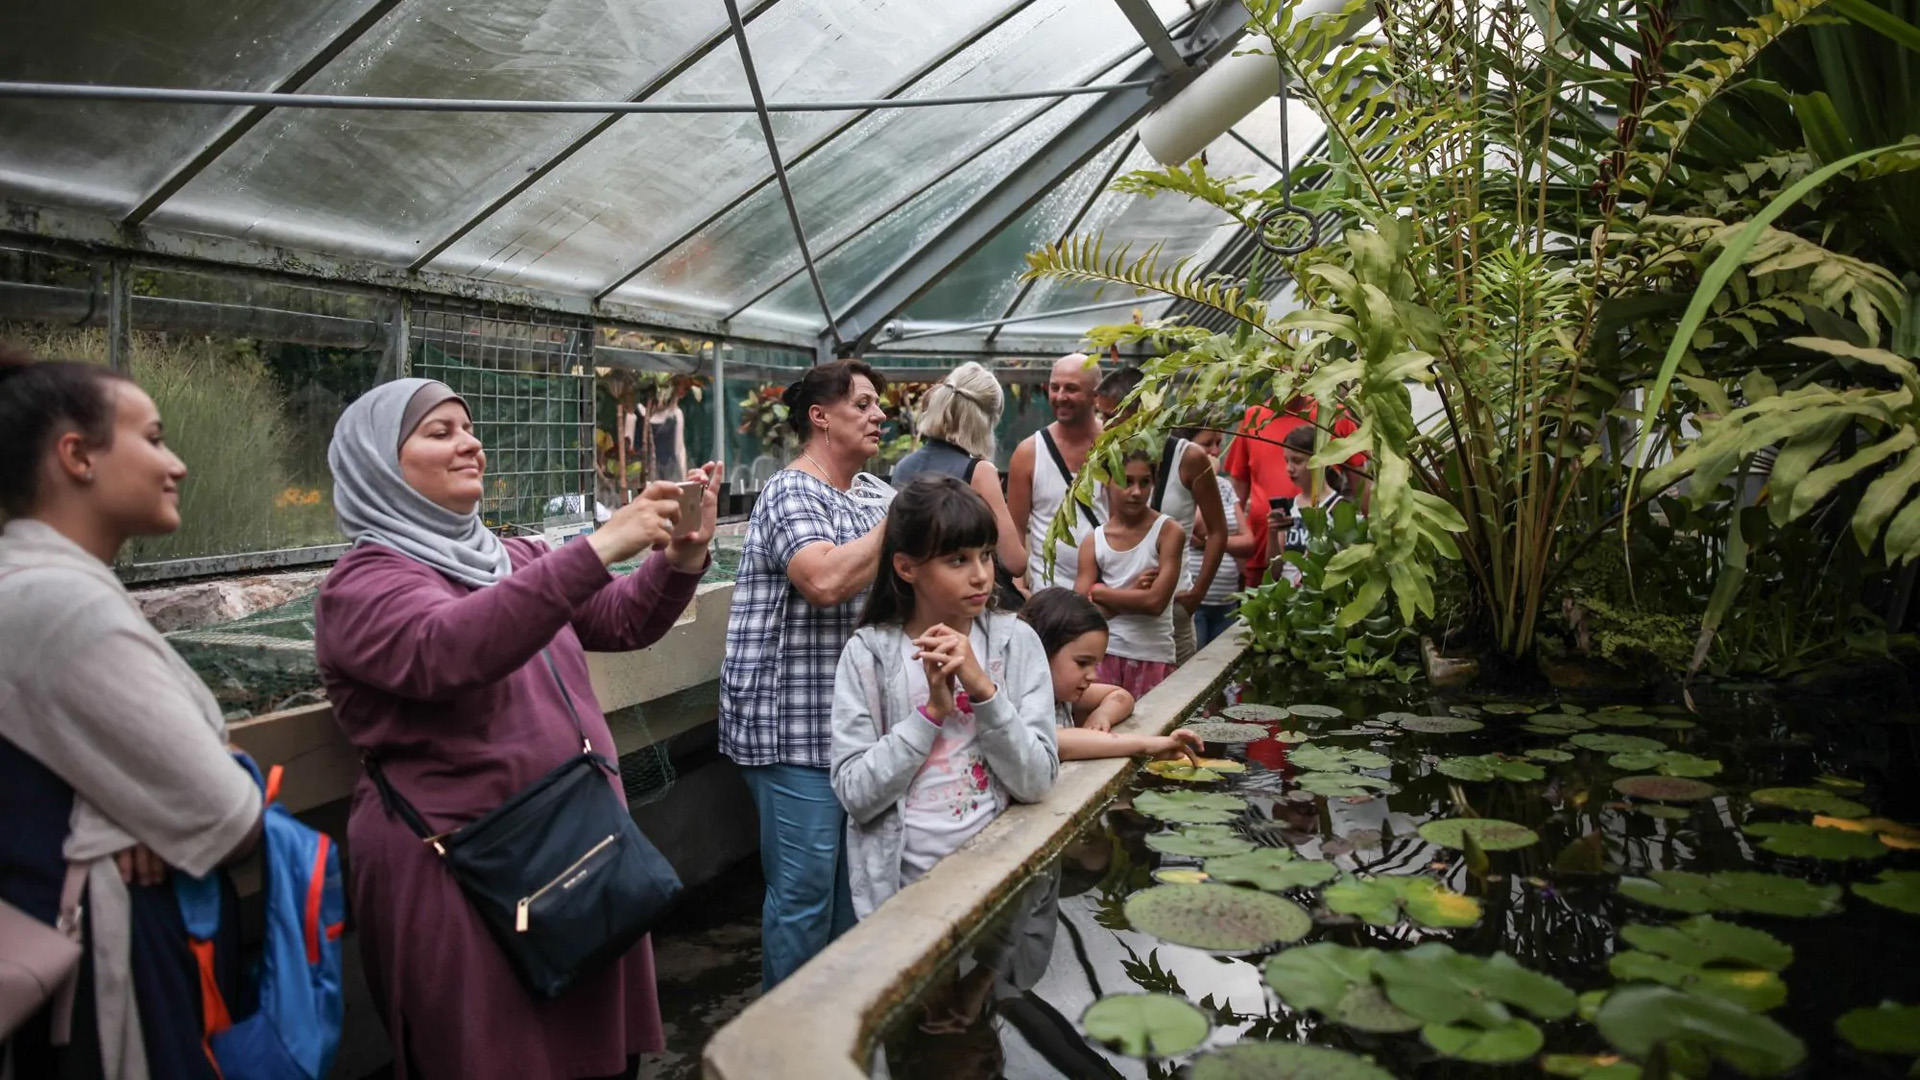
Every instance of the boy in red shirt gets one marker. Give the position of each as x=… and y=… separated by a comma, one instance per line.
x=1258, y=467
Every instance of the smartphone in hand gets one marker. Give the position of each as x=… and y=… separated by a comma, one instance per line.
x=691, y=494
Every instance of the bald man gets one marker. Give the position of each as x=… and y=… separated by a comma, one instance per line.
x=1043, y=468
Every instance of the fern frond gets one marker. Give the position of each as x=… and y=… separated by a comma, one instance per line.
x=1085, y=259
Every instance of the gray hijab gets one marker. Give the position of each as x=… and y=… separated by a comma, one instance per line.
x=376, y=505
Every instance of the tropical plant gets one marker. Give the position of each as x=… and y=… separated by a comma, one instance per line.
x=1539, y=270
x=1298, y=621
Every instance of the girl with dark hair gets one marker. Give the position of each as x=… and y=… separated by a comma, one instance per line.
x=1074, y=634
x=942, y=708
x=1135, y=566
x=811, y=551
x=114, y=769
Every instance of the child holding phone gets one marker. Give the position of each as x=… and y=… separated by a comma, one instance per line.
x=1133, y=573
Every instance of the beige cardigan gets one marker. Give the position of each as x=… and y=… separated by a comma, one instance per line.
x=94, y=693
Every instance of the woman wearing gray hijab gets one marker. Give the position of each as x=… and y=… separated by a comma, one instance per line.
x=429, y=636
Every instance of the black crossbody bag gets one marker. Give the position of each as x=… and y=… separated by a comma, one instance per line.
x=560, y=874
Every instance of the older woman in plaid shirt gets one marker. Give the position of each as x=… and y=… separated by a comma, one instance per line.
x=810, y=554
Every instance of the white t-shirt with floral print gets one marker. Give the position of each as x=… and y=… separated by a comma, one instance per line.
x=952, y=795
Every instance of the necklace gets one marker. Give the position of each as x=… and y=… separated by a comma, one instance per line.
x=824, y=474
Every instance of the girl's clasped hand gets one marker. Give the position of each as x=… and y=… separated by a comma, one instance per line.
x=947, y=657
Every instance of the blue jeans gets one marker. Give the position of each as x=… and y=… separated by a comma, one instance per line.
x=1212, y=620
x=803, y=853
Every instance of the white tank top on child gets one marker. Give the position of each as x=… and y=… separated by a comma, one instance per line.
x=1131, y=636
x=1177, y=503
x=1050, y=483
x=952, y=795
x=1226, y=581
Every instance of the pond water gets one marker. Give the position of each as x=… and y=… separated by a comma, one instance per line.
x=1707, y=975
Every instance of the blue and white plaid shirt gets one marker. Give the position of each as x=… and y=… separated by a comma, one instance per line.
x=776, y=681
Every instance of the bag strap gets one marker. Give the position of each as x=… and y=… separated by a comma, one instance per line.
x=1066, y=474
x=397, y=805
x=1167, y=463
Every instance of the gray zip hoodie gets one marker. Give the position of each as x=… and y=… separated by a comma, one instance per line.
x=880, y=740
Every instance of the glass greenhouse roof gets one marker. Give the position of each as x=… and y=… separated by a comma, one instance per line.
x=916, y=219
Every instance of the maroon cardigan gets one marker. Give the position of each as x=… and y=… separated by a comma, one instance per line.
x=446, y=685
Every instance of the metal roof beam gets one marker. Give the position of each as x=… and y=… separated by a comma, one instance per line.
x=232, y=133
x=1213, y=35
x=540, y=171
x=1086, y=207
x=1154, y=34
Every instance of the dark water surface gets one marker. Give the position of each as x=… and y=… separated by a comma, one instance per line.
x=1064, y=955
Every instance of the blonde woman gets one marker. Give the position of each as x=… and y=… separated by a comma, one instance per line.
x=956, y=432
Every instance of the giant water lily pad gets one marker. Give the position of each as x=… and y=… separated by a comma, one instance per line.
x=1181, y=771
x=1255, y=714
x=1180, y=875
x=1549, y=755
x=1732, y=890
x=1272, y=869
x=1589, y=1066
x=1664, y=788
x=1560, y=722
x=1190, y=807
x=1284, y=1061
x=1220, y=918
x=1200, y=841
x=1442, y=986
x=1222, y=733
x=1666, y=763
x=1897, y=889
x=1290, y=737
x=1480, y=768
x=1751, y=989
x=1625, y=719
x=1439, y=725
x=1839, y=783
x=1491, y=834
x=1322, y=712
x=1146, y=1025
x=1505, y=708
x=1891, y=833
x=1337, y=982
x=1502, y=1044
x=1609, y=743
x=1637, y=1018
x=1334, y=759
x=1380, y=901
x=1343, y=784
x=1704, y=940
x=1885, y=1029
x=1814, y=842
x=1812, y=800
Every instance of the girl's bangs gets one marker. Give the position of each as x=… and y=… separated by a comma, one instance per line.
x=957, y=524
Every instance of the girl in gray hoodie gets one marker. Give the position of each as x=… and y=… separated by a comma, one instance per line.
x=943, y=711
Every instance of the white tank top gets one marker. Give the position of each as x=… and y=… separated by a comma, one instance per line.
x=1050, y=483
x=1177, y=503
x=1136, y=637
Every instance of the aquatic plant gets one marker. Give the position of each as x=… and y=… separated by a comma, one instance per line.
x=1382, y=900
x=1814, y=842
x=1272, y=869
x=1146, y=1025
x=1665, y=788
x=1812, y=800
x=1897, y=889
x=1489, y=834
x=1255, y=714
x=1200, y=841
x=1285, y=1061
x=1887, y=1028
x=1480, y=768
x=1639, y=1017
x=1438, y=725
x=1218, y=918
x=1732, y=890
x=1190, y=807
x=1222, y=733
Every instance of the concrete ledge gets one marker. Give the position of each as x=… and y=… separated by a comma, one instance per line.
x=820, y=1024
x=687, y=656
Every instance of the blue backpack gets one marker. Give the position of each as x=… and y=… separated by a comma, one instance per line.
x=293, y=1033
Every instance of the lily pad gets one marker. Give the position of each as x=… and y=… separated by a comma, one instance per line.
x=1323, y=712
x=1885, y=1029
x=1334, y=759
x=1609, y=743
x=1625, y=720
x=1561, y=722
x=1484, y=767
x=1146, y=1025
x=1290, y=737
x=1190, y=807
x=1222, y=733
x=1491, y=834
x=1505, y=708
x=1549, y=755
x=1394, y=717
x=1200, y=841
x=1891, y=833
x=1813, y=800
x=1660, y=810
x=1180, y=875
x=1732, y=890
x=1337, y=982
x=1515, y=1040
x=1335, y=785
x=1674, y=723
x=1666, y=763
x=1589, y=1067
x=1442, y=986
x=1255, y=714
x=1751, y=989
x=1183, y=772
x=1814, y=842
x=1705, y=940
x=1272, y=869
x=1284, y=1061
x=1664, y=788
x=1897, y=889
x=1637, y=1018
x=1440, y=725
x=1219, y=918
x=1839, y=783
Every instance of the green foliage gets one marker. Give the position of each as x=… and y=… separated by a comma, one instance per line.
x=1336, y=621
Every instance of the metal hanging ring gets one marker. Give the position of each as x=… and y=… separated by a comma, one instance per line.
x=1266, y=227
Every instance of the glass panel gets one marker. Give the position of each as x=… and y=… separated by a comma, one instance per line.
x=107, y=156
x=887, y=156
x=648, y=179
x=385, y=185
